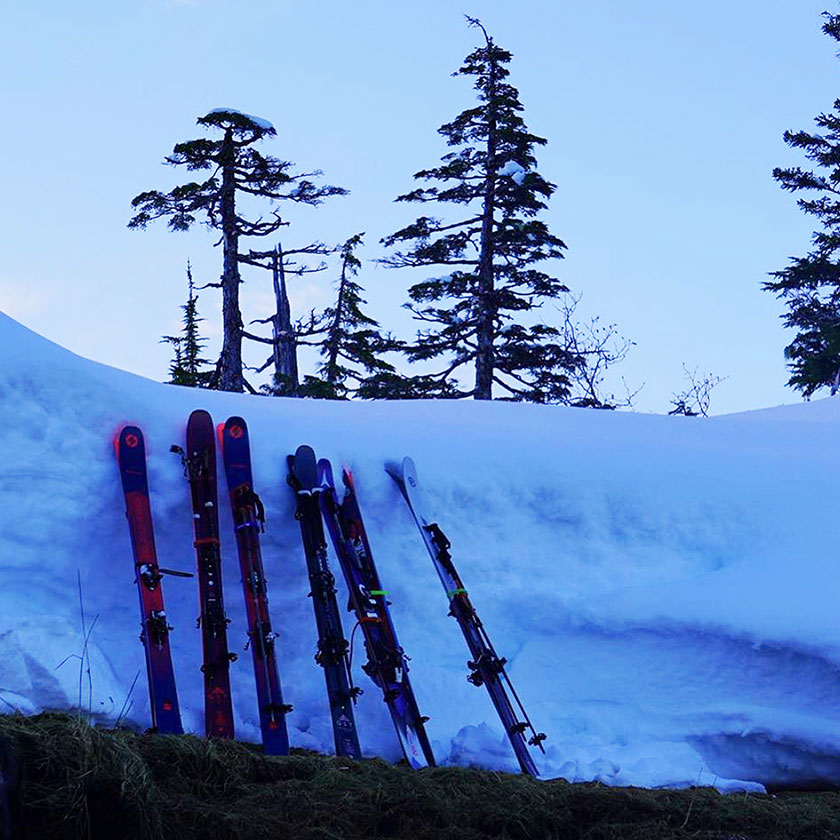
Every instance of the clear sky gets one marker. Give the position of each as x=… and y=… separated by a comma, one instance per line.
x=664, y=122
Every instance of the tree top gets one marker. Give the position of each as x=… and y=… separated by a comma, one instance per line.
x=238, y=121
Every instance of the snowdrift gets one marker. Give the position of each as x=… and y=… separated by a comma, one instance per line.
x=664, y=588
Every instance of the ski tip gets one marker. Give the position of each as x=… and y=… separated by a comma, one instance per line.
x=325, y=473
x=303, y=467
x=199, y=414
x=303, y=459
x=347, y=478
x=399, y=471
x=200, y=433
x=128, y=436
x=234, y=428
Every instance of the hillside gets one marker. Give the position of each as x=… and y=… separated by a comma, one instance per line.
x=664, y=588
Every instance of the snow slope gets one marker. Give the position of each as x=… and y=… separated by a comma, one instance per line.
x=665, y=588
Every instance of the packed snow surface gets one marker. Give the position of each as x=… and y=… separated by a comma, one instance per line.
x=665, y=588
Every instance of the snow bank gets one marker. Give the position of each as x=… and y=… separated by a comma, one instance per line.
x=664, y=588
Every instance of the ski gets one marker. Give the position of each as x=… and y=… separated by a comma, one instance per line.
x=199, y=460
x=332, y=651
x=163, y=695
x=486, y=666
x=387, y=662
x=248, y=522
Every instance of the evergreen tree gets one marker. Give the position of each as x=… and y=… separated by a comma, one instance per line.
x=810, y=285
x=186, y=367
x=237, y=171
x=475, y=311
x=353, y=342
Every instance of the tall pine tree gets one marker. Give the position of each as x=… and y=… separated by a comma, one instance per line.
x=481, y=313
x=187, y=368
x=810, y=285
x=237, y=171
x=353, y=343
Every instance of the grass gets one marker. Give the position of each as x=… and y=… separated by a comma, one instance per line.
x=77, y=781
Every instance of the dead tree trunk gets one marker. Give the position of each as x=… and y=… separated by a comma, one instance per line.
x=285, y=340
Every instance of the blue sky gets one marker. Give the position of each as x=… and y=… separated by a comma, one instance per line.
x=664, y=122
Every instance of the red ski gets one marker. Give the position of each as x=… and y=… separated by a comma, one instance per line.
x=163, y=697
x=199, y=461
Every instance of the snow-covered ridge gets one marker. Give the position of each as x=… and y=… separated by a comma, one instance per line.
x=664, y=588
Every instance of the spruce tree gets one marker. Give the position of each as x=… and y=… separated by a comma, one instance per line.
x=237, y=171
x=480, y=313
x=810, y=285
x=186, y=367
x=353, y=343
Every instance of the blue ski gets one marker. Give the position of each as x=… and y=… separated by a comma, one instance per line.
x=387, y=663
x=486, y=666
x=332, y=646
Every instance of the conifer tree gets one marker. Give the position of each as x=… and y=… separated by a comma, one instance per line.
x=810, y=285
x=349, y=341
x=186, y=367
x=481, y=314
x=237, y=171
x=353, y=343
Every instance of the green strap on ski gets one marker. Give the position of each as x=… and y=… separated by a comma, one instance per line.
x=453, y=592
